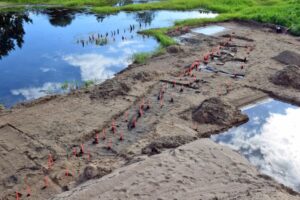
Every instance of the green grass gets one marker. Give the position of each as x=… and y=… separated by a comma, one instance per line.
x=141, y=58
x=88, y=83
x=64, y=2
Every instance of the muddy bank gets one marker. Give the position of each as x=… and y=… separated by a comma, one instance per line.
x=108, y=126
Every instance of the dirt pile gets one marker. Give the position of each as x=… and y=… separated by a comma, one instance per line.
x=288, y=57
x=169, y=142
x=109, y=89
x=178, y=31
x=145, y=76
x=217, y=111
x=174, y=49
x=289, y=76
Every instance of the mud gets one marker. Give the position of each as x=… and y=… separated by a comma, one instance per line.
x=157, y=94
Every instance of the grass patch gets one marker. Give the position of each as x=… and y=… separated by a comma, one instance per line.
x=141, y=58
x=160, y=35
x=65, y=2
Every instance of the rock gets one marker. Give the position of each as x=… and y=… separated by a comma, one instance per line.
x=289, y=76
x=174, y=49
x=218, y=111
x=166, y=142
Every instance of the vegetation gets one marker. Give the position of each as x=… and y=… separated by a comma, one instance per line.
x=281, y=12
x=2, y=107
x=88, y=83
x=65, y=2
x=141, y=58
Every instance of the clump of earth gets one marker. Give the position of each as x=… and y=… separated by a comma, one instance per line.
x=217, y=111
x=289, y=76
x=109, y=89
x=166, y=142
x=174, y=49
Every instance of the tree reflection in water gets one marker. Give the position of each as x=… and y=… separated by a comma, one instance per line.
x=60, y=16
x=12, y=31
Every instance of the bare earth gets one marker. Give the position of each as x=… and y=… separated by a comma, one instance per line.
x=57, y=125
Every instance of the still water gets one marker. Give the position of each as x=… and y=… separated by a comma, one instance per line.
x=41, y=50
x=270, y=140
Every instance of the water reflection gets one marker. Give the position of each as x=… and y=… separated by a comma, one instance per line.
x=12, y=31
x=60, y=16
x=270, y=140
x=127, y=2
x=71, y=46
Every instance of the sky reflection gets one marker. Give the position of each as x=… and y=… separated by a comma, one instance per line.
x=270, y=140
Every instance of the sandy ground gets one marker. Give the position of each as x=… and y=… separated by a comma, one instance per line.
x=198, y=170
x=38, y=139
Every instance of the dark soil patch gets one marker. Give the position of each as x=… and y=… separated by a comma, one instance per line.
x=217, y=111
x=289, y=76
x=110, y=89
x=169, y=142
x=288, y=58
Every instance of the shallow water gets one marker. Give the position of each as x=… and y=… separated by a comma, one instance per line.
x=40, y=50
x=270, y=140
x=209, y=30
x=127, y=2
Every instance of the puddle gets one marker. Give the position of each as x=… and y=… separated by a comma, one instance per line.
x=209, y=30
x=42, y=50
x=270, y=140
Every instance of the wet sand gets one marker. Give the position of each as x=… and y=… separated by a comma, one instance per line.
x=58, y=125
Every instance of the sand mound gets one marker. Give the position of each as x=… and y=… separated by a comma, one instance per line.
x=159, y=144
x=288, y=57
x=217, y=111
x=289, y=76
x=174, y=49
x=199, y=170
x=109, y=89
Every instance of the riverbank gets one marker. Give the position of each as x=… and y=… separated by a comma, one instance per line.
x=280, y=12
x=48, y=143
